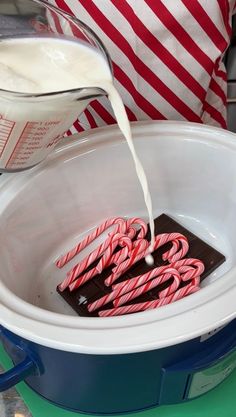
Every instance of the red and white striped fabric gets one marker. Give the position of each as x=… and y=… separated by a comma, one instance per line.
x=166, y=54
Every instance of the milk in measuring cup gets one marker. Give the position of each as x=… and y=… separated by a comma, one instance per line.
x=31, y=126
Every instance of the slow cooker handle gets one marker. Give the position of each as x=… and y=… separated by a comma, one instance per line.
x=28, y=366
x=17, y=374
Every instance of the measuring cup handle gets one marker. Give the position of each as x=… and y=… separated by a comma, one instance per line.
x=19, y=372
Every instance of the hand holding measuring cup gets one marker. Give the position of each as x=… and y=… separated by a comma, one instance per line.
x=51, y=66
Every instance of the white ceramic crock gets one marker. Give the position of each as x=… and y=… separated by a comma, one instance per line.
x=191, y=171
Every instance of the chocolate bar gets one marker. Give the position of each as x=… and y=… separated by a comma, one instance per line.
x=95, y=289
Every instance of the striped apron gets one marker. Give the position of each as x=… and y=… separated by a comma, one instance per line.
x=166, y=54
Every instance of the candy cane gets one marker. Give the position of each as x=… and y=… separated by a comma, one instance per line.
x=143, y=226
x=173, y=250
x=118, y=257
x=82, y=279
x=147, y=287
x=184, y=268
x=79, y=268
x=117, y=239
x=139, y=280
x=164, y=238
x=160, y=240
x=106, y=299
x=128, y=289
x=131, y=232
x=140, y=247
x=135, y=308
x=121, y=226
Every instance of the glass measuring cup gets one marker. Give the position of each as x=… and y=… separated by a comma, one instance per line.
x=31, y=124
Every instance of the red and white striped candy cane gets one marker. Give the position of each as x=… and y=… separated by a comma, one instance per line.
x=127, y=288
x=160, y=240
x=139, y=280
x=117, y=239
x=147, y=287
x=121, y=226
x=82, y=279
x=172, y=288
x=173, y=250
x=122, y=255
x=131, y=231
x=106, y=299
x=86, y=262
x=118, y=257
x=79, y=268
x=143, y=226
x=135, y=308
x=139, y=251
x=164, y=238
x=188, y=268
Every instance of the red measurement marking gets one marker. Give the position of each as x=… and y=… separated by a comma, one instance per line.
x=17, y=143
x=32, y=135
x=6, y=127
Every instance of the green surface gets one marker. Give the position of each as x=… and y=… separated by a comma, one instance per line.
x=219, y=402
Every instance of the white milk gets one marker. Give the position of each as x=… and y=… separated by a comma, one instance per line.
x=37, y=65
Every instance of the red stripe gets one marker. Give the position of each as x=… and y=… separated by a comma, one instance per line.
x=75, y=30
x=78, y=126
x=218, y=71
x=224, y=8
x=139, y=66
x=217, y=90
x=90, y=118
x=180, y=33
x=141, y=101
x=131, y=115
x=56, y=22
x=159, y=50
x=215, y=114
x=102, y=112
x=64, y=6
x=200, y=15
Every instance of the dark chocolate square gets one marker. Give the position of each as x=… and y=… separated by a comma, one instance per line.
x=95, y=288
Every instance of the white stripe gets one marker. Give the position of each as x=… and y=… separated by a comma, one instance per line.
x=208, y=120
x=168, y=40
x=84, y=121
x=51, y=21
x=160, y=69
x=106, y=104
x=129, y=101
x=120, y=58
x=155, y=64
x=73, y=130
x=99, y=121
x=214, y=13
x=193, y=28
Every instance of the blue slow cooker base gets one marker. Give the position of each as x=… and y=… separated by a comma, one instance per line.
x=108, y=384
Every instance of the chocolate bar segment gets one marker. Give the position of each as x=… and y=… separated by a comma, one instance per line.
x=95, y=289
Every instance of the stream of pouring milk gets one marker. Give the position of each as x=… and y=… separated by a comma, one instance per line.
x=124, y=125
x=47, y=64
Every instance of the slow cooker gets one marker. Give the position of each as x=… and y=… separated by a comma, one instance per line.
x=133, y=362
